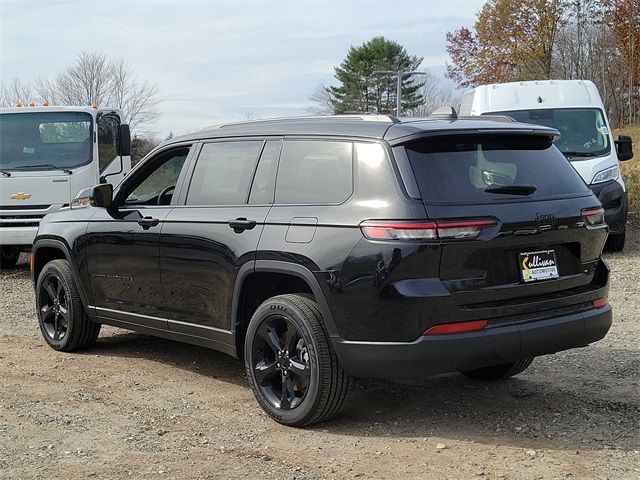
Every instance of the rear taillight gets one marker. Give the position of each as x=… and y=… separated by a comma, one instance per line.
x=441, y=229
x=457, y=327
x=593, y=217
x=600, y=302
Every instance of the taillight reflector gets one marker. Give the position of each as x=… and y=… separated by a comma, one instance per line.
x=593, y=216
x=458, y=327
x=600, y=302
x=462, y=229
x=31, y=261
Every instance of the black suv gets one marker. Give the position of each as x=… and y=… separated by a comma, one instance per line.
x=321, y=249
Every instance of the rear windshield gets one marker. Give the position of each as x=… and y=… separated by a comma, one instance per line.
x=466, y=169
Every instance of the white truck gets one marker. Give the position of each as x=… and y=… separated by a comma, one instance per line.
x=47, y=155
x=573, y=107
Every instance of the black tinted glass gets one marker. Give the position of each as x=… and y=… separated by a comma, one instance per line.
x=464, y=169
x=314, y=172
x=223, y=173
x=264, y=179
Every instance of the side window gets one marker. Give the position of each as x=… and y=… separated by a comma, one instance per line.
x=156, y=184
x=315, y=172
x=107, y=138
x=265, y=178
x=223, y=173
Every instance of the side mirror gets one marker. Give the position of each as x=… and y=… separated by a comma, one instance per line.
x=96, y=196
x=624, y=147
x=124, y=140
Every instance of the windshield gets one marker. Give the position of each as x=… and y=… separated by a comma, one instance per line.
x=584, y=132
x=45, y=141
x=482, y=168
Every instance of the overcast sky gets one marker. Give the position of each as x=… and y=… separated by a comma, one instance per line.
x=217, y=61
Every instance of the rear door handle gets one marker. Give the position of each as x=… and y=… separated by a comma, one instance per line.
x=241, y=224
x=147, y=222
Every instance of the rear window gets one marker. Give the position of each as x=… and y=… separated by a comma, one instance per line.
x=465, y=169
x=315, y=172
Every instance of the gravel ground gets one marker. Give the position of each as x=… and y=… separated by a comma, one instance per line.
x=140, y=407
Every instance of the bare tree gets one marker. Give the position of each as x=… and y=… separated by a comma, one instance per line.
x=15, y=91
x=137, y=99
x=436, y=94
x=92, y=78
x=321, y=99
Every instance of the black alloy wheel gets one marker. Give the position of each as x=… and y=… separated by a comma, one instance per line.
x=281, y=363
x=63, y=320
x=290, y=362
x=54, y=307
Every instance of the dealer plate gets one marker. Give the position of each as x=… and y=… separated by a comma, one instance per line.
x=540, y=265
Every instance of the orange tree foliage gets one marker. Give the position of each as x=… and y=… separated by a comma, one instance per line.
x=513, y=40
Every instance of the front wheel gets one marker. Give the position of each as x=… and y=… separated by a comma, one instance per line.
x=499, y=372
x=292, y=368
x=63, y=321
x=9, y=257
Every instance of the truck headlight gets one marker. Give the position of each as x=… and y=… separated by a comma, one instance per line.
x=611, y=173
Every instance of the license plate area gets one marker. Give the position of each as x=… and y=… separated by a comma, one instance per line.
x=539, y=265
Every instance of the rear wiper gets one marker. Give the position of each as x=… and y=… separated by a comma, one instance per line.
x=578, y=154
x=5, y=173
x=512, y=189
x=50, y=165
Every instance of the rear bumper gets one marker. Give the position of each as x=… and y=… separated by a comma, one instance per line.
x=614, y=200
x=458, y=352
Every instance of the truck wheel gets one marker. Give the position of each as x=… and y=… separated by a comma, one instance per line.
x=63, y=321
x=291, y=367
x=499, y=372
x=615, y=242
x=9, y=257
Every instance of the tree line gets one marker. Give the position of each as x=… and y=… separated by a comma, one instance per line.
x=515, y=40
x=91, y=78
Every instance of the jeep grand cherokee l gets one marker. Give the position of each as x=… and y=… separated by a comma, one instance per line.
x=321, y=249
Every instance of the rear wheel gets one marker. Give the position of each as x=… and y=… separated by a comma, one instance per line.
x=499, y=372
x=292, y=368
x=63, y=321
x=9, y=257
x=615, y=242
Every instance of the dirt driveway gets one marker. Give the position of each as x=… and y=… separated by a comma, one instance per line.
x=140, y=407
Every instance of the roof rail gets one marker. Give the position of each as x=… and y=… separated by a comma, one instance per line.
x=363, y=117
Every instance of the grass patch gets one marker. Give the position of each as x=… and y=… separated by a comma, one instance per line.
x=631, y=168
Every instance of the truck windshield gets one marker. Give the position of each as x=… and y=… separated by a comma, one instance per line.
x=45, y=141
x=584, y=132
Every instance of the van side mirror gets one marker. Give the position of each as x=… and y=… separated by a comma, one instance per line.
x=624, y=147
x=96, y=196
x=124, y=140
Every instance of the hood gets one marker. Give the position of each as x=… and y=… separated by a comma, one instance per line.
x=35, y=188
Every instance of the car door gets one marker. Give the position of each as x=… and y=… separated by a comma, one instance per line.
x=123, y=242
x=214, y=232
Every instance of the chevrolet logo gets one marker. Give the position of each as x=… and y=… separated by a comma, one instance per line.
x=21, y=196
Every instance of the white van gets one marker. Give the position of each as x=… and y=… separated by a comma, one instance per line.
x=47, y=155
x=573, y=107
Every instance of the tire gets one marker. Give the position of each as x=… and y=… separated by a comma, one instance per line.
x=616, y=241
x=290, y=363
x=499, y=372
x=9, y=257
x=57, y=293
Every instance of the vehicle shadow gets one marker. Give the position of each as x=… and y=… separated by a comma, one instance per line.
x=557, y=403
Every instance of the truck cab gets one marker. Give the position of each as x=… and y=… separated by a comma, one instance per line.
x=47, y=155
x=575, y=109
